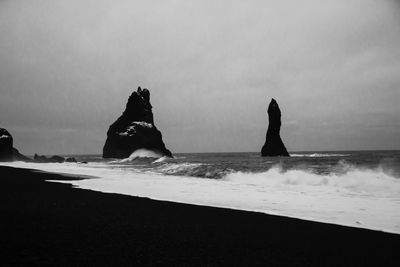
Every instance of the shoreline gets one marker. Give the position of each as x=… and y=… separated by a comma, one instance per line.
x=49, y=223
x=252, y=192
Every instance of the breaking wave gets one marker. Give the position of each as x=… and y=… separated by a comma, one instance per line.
x=374, y=182
x=142, y=154
x=343, y=176
x=199, y=170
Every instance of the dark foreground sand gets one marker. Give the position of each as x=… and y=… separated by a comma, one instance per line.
x=46, y=223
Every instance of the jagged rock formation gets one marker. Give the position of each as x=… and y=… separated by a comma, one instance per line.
x=134, y=129
x=273, y=144
x=7, y=151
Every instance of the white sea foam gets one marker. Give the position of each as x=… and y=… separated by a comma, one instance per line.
x=141, y=153
x=181, y=167
x=365, y=182
x=359, y=197
x=318, y=155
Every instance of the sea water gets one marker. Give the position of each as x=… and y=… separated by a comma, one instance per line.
x=354, y=188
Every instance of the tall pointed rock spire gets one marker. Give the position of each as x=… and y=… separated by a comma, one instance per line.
x=273, y=144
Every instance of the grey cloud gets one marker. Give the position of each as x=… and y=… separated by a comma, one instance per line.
x=211, y=66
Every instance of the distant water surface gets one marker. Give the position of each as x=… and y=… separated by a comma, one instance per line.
x=218, y=165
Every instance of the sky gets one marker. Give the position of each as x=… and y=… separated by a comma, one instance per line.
x=68, y=67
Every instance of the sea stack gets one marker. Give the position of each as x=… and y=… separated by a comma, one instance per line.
x=273, y=144
x=134, y=129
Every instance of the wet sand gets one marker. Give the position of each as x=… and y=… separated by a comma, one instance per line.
x=44, y=223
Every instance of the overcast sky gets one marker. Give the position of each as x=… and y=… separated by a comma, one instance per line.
x=68, y=67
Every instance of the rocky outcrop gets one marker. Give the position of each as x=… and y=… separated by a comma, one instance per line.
x=7, y=151
x=44, y=159
x=53, y=159
x=6, y=145
x=273, y=144
x=70, y=159
x=135, y=129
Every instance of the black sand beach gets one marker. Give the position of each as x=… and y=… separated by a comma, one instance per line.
x=45, y=223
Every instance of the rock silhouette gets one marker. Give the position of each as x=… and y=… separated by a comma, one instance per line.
x=134, y=129
x=273, y=144
x=7, y=151
x=6, y=145
x=70, y=159
x=19, y=157
x=44, y=159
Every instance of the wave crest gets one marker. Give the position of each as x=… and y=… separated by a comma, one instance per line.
x=200, y=170
x=142, y=154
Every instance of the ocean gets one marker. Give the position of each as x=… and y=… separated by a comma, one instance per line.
x=353, y=188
